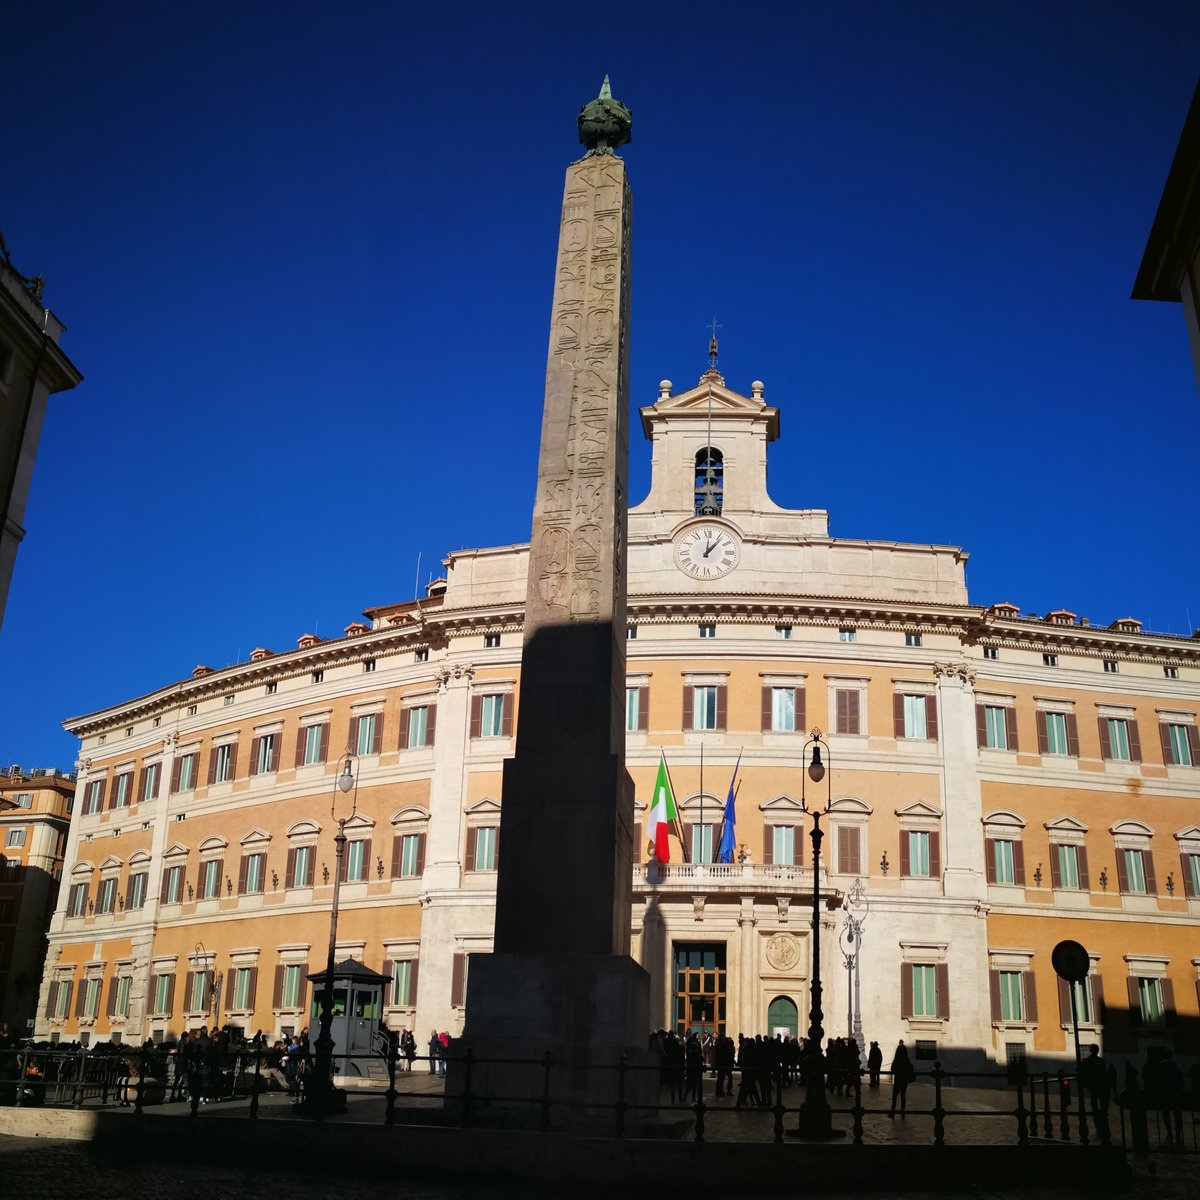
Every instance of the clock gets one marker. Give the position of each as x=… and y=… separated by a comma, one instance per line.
x=707, y=551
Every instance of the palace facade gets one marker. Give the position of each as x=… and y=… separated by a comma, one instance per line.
x=999, y=782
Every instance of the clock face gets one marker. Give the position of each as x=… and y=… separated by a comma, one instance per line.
x=707, y=552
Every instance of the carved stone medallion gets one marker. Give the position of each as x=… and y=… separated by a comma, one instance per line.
x=783, y=952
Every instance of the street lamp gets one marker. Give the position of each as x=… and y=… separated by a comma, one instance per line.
x=854, y=908
x=323, y=1097
x=815, y=1122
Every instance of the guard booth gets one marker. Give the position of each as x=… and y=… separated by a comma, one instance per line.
x=357, y=1011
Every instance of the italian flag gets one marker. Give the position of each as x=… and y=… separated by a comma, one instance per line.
x=662, y=814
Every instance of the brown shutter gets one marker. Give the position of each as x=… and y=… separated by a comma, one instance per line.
x=931, y=721
x=638, y=844
x=943, y=991
x=289, y=879
x=277, y=994
x=472, y=833
x=405, y=717
x=981, y=726
x=1135, y=742
x=1148, y=867
x=1122, y=873
x=849, y=850
x=412, y=982
x=1168, y=999
x=343, y=866
x=243, y=869
x=766, y=708
x=801, y=711
x=643, y=721
x=325, y=742
x=188, y=990
x=1072, y=736
x=175, y=769
x=1064, y=1002
x=689, y=839
x=112, y=804
x=389, y=990
x=233, y=755
x=935, y=854
x=397, y=855
x=994, y=992
x=300, y=737
x=80, y=996
x=220, y=874
x=1043, y=739
x=906, y=990
x=52, y=997
x=1164, y=740
x=111, y=1009
x=905, y=861
x=377, y=734
x=1193, y=736
x=1185, y=869
x=1105, y=744
x=367, y=860
x=1081, y=861
x=722, y=707
x=1010, y=726
x=1030, y=988
x=162, y=887
x=1018, y=863
x=1097, y=999
x=1055, y=870
x=170, y=993
x=212, y=765
x=476, y=716
x=420, y=853
x=140, y=787
x=841, y=718
x=1135, y=1001
x=688, y=700
x=898, y=715
x=768, y=845
x=276, y=744
x=989, y=854
x=507, y=704
x=458, y=973
x=253, y=988
x=431, y=725
x=255, y=743
x=354, y=724
x=70, y=987
x=855, y=714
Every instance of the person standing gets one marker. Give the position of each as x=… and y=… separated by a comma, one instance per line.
x=435, y=1048
x=903, y=1074
x=408, y=1047
x=874, y=1063
x=1093, y=1076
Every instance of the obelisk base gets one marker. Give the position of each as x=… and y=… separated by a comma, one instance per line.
x=587, y=1010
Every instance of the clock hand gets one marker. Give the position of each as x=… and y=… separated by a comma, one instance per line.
x=708, y=548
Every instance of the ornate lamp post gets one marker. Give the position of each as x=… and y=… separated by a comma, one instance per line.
x=322, y=1096
x=815, y=1121
x=854, y=908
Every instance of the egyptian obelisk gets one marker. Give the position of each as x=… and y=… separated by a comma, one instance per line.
x=560, y=977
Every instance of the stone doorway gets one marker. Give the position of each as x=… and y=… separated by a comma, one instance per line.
x=700, y=977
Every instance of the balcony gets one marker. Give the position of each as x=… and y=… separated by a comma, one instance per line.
x=740, y=878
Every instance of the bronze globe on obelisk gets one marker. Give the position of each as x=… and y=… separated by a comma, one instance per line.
x=560, y=978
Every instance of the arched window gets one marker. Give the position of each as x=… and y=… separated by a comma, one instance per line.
x=710, y=482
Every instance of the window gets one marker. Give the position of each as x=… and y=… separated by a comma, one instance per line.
x=404, y=983
x=847, y=635
x=299, y=867
x=149, y=788
x=136, y=895
x=417, y=726
x=368, y=666
x=120, y=1003
x=122, y=787
x=272, y=688
x=172, y=892
x=313, y=745
x=23, y=799
x=491, y=640
x=481, y=847
x=77, y=900
x=849, y=850
x=106, y=896
x=1002, y=864
x=1179, y=744
x=408, y=855
x=191, y=710
x=783, y=632
x=1084, y=1008
x=491, y=716
x=95, y=797
x=90, y=998
x=185, y=772
x=924, y=990
x=637, y=708
x=999, y=726
x=16, y=837
x=779, y=846
x=1110, y=666
x=1057, y=733
x=318, y=676
x=222, y=763
x=631, y=633
x=60, y=999
x=1150, y=1002
x=266, y=756
x=1068, y=867
x=847, y=710
x=253, y=872
x=708, y=631
x=701, y=842
x=991, y=652
x=164, y=991
x=368, y=731
x=198, y=991
x=915, y=717
x=1012, y=996
x=1191, y=874
x=290, y=991
x=783, y=710
x=210, y=879
x=704, y=706
x=1119, y=740
x=1171, y=672
x=920, y=854
x=912, y=639
x=1049, y=660
x=243, y=989
x=357, y=861
x=1135, y=872
x=421, y=655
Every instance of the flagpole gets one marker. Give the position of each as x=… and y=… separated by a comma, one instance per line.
x=702, y=782
x=678, y=820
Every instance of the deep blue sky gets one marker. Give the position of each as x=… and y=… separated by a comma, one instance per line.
x=304, y=253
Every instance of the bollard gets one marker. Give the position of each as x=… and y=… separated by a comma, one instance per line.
x=1083, y=1128
x=939, y=1113
x=1064, y=1105
x=1139, y=1130
x=80, y=1072
x=257, y=1081
x=1021, y=1114
x=699, y=1108
x=139, y=1092
x=468, y=1067
x=779, y=1104
x=858, y=1110
x=621, y=1068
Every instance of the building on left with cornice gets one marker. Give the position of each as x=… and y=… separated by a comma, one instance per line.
x=35, y=813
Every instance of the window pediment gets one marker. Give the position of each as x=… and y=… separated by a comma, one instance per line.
x=139, y=858
x=782, y=806
x=256, y=837
x=304, y=829
x=82, y=870
x=482, y=808
x=850, y=806
x=410, y=815
x=697, y=801
x=1131, y=829
x=176, y=851
x=918, y=810
x=112, y=863
x=1066, y=824
x=359, y=824
x=1004, y=818
x=211, y=844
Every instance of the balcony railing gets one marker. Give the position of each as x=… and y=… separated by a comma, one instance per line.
x=716, y=876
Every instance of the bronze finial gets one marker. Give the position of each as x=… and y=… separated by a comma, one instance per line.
x=604, y=123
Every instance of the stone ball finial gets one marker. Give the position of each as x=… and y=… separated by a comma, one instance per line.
x=756, y=388
x=664, y=387
x=604, y=123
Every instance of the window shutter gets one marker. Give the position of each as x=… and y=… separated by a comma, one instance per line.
x=405, y=717
x=943, y=991
x=420, y=853
x=643, y=721
x=898, y=715
x=389, y=988
x=412, y=982
x=277, y=994
x=766, y=711
x=243, y=870
x=1168, y=999
x=1148, y=867
x=638, y=844
x=688, y=700
x=994, y=990
x=841, y=699
x=1043, y=739
x=162, y=887
x=855, y=864
x=476, y=716
x=1072, y=736
x=1018, y=864
x=507, y=704
x=189, y=990
x=253, y=987
x=1164, y=740
x=1189, y=888
x=141, y=787
x=854, y=712
x=343, y=866
x=377, y=734
x=905, y=862
x=212, y=765
x=768, y=845
x=324, y=742
x=276, y=742
x=354, y=724
x=458, y=973
x=431, y=725
x=1193, y=736
x=989, y=853
x=1135, y=1001
x=1097, y=999
x=1055, y=870
x=52, y=998
x=935, y=854
x=220, y=874
x=722, y=707
x=1105, y=744
x=931, y=722
x=496, y=850
x=176, y=767
x=472, y=833
x=1135, y=742
x=300, y=737
x=801, y=713
x=981, y=726
x=1064, y=1002
x=397, y=855
x=847, y=849
x=689, y=838
x=255, y=744
x=1010, y=726
x=289, y=879
x=906, y=991
x=367, y=860
x=1085, y=882
x=1030, y=989
x=112, y=804
x=1122, y=873
x=111, y=1008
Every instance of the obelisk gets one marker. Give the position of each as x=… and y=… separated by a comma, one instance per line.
x=560, y=978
